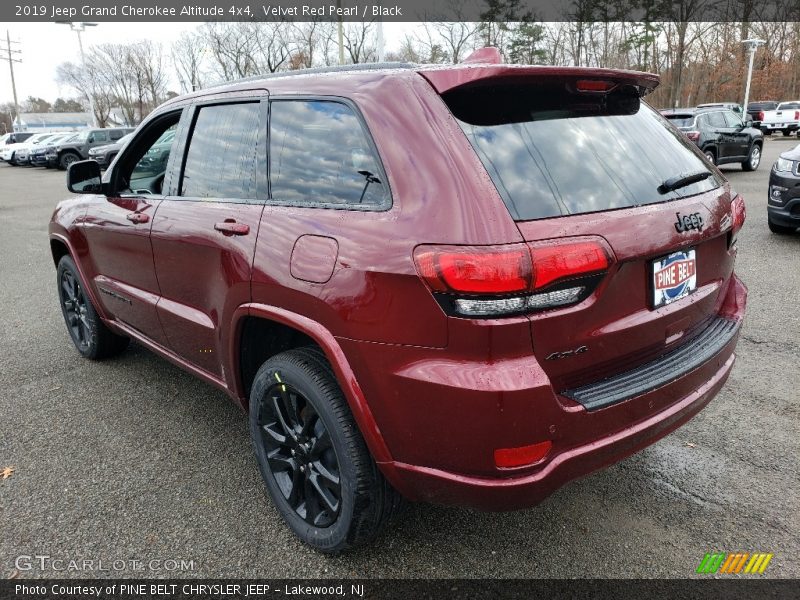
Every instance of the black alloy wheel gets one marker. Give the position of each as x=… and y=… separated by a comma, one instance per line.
x=73, y=301
x=301, y=455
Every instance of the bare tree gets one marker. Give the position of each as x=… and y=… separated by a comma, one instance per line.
x=358, y=42
x=76, y=77
x=188, y=57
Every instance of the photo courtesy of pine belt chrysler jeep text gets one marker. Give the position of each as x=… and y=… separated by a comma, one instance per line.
x=462, y=284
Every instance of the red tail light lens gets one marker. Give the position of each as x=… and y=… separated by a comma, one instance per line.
x=563, y=261
x=761, y=115
x=507, y=458
x=475, y=269
x=693, y=135
x=739, y=214
x=797, y=115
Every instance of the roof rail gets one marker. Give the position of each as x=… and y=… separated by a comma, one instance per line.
x=321, y=70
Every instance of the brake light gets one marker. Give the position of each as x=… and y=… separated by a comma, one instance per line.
x=475, y=269
x=507, y=458
x=761, y=115
x=594, y=85
x=693, y=135
x=739, y=214
x=797, y=115
x=519, y=276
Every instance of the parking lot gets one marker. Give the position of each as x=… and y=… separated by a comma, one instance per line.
x=135, y=460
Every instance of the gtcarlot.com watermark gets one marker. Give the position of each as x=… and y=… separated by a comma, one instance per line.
x=52, y=564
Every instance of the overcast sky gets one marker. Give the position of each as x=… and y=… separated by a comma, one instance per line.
x=45, y=45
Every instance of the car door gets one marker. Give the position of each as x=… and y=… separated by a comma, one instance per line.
x=204, y=232
x=740, y=139
x=117, y=230
x=724, y=139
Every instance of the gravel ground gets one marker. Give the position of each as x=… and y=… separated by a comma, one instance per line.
x=134, y=460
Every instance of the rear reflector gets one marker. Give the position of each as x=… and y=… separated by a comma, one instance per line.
x=739, y=213
x=526, y=455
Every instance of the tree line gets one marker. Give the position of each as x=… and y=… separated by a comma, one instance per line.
x=697, y=61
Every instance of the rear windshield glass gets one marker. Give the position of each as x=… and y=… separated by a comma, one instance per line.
x=551, y=152
x=681, y=120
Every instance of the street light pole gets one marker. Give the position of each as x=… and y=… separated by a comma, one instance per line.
x=752, y=45
x=80, y=28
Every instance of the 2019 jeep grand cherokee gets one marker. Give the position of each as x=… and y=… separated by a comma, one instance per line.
x=414, y=279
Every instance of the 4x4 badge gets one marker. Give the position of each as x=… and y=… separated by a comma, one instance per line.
x=687, y=222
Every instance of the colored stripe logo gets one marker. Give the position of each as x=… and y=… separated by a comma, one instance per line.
x=735, y=562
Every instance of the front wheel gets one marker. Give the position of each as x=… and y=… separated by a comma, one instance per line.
x=710, y=157
x=67, y=159
x=88, y=332
x=313, y=460
x=753, y=159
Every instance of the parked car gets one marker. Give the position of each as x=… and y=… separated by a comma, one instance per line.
x=755, y=110
x=15, y=154
x=37, y=157
x=105, y=154
x=721, y=135
x=398, y=274
x=78, y=148
x=732, y=106
x=14, y=137
x=783, y=200
x=785, y=118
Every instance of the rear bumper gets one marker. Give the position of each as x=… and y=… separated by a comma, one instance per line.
x=784, y=210
x=780, y=126
x=442, y=418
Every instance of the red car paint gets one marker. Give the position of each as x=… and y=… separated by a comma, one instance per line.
x=434, y=396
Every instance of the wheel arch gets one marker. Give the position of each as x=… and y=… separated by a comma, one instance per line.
x=305, y=330
x=60, y=246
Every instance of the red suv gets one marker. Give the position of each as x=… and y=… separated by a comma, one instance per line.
x=459, y=284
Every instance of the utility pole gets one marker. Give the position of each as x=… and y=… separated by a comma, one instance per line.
x=341, y=31
x=11, y=60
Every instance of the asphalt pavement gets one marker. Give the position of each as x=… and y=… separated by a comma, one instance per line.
x=136, y=466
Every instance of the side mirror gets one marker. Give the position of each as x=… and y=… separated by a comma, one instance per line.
x=748, y=123
x=83, y=177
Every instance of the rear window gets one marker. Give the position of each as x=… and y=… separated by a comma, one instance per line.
x=681, y=120
x=550, y=152
x=788, y=105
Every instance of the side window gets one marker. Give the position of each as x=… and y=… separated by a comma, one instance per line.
x=320, y=154
x=732, y=119
x=115, y=134
x=715, y=119
x=702, y=122
x=221, y=161
x=142, y=165
x=100, y=136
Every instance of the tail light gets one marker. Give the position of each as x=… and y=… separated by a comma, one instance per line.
x=738, y=214
x=761, y=115
x=493, y=281
x=693, y=135
x=797, y=115
x=594, y=85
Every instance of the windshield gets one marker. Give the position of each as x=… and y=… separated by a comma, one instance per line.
x=39, y=137
x=552, y=153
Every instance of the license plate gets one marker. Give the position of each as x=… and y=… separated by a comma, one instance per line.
x=673, y=277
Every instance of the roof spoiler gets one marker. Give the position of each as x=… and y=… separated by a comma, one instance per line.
x=477, y=70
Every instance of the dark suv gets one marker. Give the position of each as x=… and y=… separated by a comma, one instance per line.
x=721, y=135
x=63, y=155
x=783, y=197
x=413, y=279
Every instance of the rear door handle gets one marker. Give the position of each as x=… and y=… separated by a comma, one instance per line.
x=137, y=217
x=231, y=227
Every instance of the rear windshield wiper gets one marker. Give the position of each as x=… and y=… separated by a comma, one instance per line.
x=679, y=181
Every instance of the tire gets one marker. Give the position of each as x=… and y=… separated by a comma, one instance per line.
x=753, y=159
x=779, y=229
x=786, y=132
x=766, y=132
x=710, y=157
x=303, y=432
x=66, y=159
x=88, y=332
